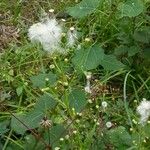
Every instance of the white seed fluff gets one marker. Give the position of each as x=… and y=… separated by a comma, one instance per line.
x=104, y=104
x=144, y=110
x=71, y=37
x=48, y=33
x=108, y=124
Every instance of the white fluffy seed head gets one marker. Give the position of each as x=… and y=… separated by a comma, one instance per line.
x=144, y=111
x=71, y=37
x=108, y=124
x=48, y=33
x=104, y=104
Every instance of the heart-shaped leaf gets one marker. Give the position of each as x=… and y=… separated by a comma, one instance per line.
x=110, y=62
x=131, y=8
x=87, y=59
x=77, y=100
x=41, y=79
x=84, y=8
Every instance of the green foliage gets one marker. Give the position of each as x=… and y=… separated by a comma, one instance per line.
x=131, y=8
x=19, y=90
x=77, y=100
x=3, y=127
x=32, y=144
x=41, y=79
x=87, y=59
x=142, y=35
x=120, y=138
x=53, y=103
x=33, y=118
x=131, y=51
x=25, y=122
x=56, y=132
x=111, y=63
x=84, y=8
x=45, y=102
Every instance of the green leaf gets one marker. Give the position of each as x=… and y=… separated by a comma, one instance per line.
x=42, y=79
x=25, y=122
x=77, y=100
x=142, y=35
x=84, y=8
x=87, y=59
x=31, y=143
x=3, y=126
x=16, y=125
x=19, y=90
x=120, y=138
x=121, y=50
x=33, y=118
x=133, y=50
x=146, y=53
x=45, y=102
x=111, y=63
x=56, y=133
x=131, y=8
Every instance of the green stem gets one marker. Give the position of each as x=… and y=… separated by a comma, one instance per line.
x=125, y=98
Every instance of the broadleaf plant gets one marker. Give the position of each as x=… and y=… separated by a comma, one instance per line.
x=131, y=8
x=87, y=59
x=84, y=8
x=42, y=79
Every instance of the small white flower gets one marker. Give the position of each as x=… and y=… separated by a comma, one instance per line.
x=66, y=59
x=65, y=83
x=97, y=123
x=51, y=10
x=97, y=106
x=74, y=132
x=72, y=29
x=108, y=124
x=73, y=109
x=87, y=39
x=67, y=137
x=144, y=110
x=52, y=66
x=79, y=46
x=77, y=121
x=61, y=139
x=63, y=20
x=95, y=120
x=80, y=114
x=46, y=79
x=57, y=148
x=90, y=101
x=104, y=104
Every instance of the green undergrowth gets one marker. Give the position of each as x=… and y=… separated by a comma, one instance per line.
x=36, y=87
